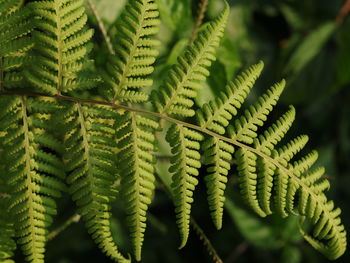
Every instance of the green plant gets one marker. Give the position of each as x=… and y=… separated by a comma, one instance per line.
x=106, y=143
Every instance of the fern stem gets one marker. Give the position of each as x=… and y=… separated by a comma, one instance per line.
x=73, y=219
x=202, y=236
x=199, y=231
x=344, y=11
x=30, y=213
x=133, y=51
x=157, y=115
x=137, y=177
x=199, y=21
x=239, y=250
x=285, y=170
x=101, y=26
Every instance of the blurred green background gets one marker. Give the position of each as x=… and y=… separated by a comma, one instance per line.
x=306, y=42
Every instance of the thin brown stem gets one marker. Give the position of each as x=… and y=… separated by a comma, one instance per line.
x=285, y=170
x=202, y=236
x=199, y=231
x=4, y=195
x=202, y=8
x=237, y=251
x=101, y=26
x=162, y=156
x=73, y=219
x=159, y=116
x=344, y=11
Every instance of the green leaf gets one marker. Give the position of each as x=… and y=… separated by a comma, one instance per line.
x=310, y=47
x=228, y=55
x=342, y=60
x=291, y=254
x=252, y=228
x=292, y=16
x=109, y=10
x=176, y=14
x=176, y=51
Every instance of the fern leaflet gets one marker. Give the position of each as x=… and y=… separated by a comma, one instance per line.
x=15, y=26
x=184, y=79
x=89, y=162
x=95, y=141
x=262, y=169
x=61, y=46
x=185, y=162
x=135, y=52
x=215, y=116
x=175, y=97
x=135, y=159
x=126, y=74
x=35, y=176
x=7, y=243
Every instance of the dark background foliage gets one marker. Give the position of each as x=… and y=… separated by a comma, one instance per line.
x=305, y=42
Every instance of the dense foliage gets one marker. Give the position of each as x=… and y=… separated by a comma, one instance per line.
x=114, y=119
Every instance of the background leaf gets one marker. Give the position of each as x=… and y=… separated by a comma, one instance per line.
x=310, y=47
x=252, y=227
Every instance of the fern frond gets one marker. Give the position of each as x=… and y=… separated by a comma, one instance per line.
x=61, y=46
x=15, y=25
x=215, y=116
x=275, y=133
x=285, y=153
x=327, y=234
x=34, y=179
x=126, y=74
x=175, y=97
x=185, y=163
x=245, y=127
x=7, y=243
x=89, y=141
x=217, y=155
x=263, y=169
x=135, y=159
x=247, y=162
x=256, y=175
x=266, y=143
x=186, y=77
x=135, y=52
x=271, y=179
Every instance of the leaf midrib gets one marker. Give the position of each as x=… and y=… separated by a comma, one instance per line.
x=191, y=126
